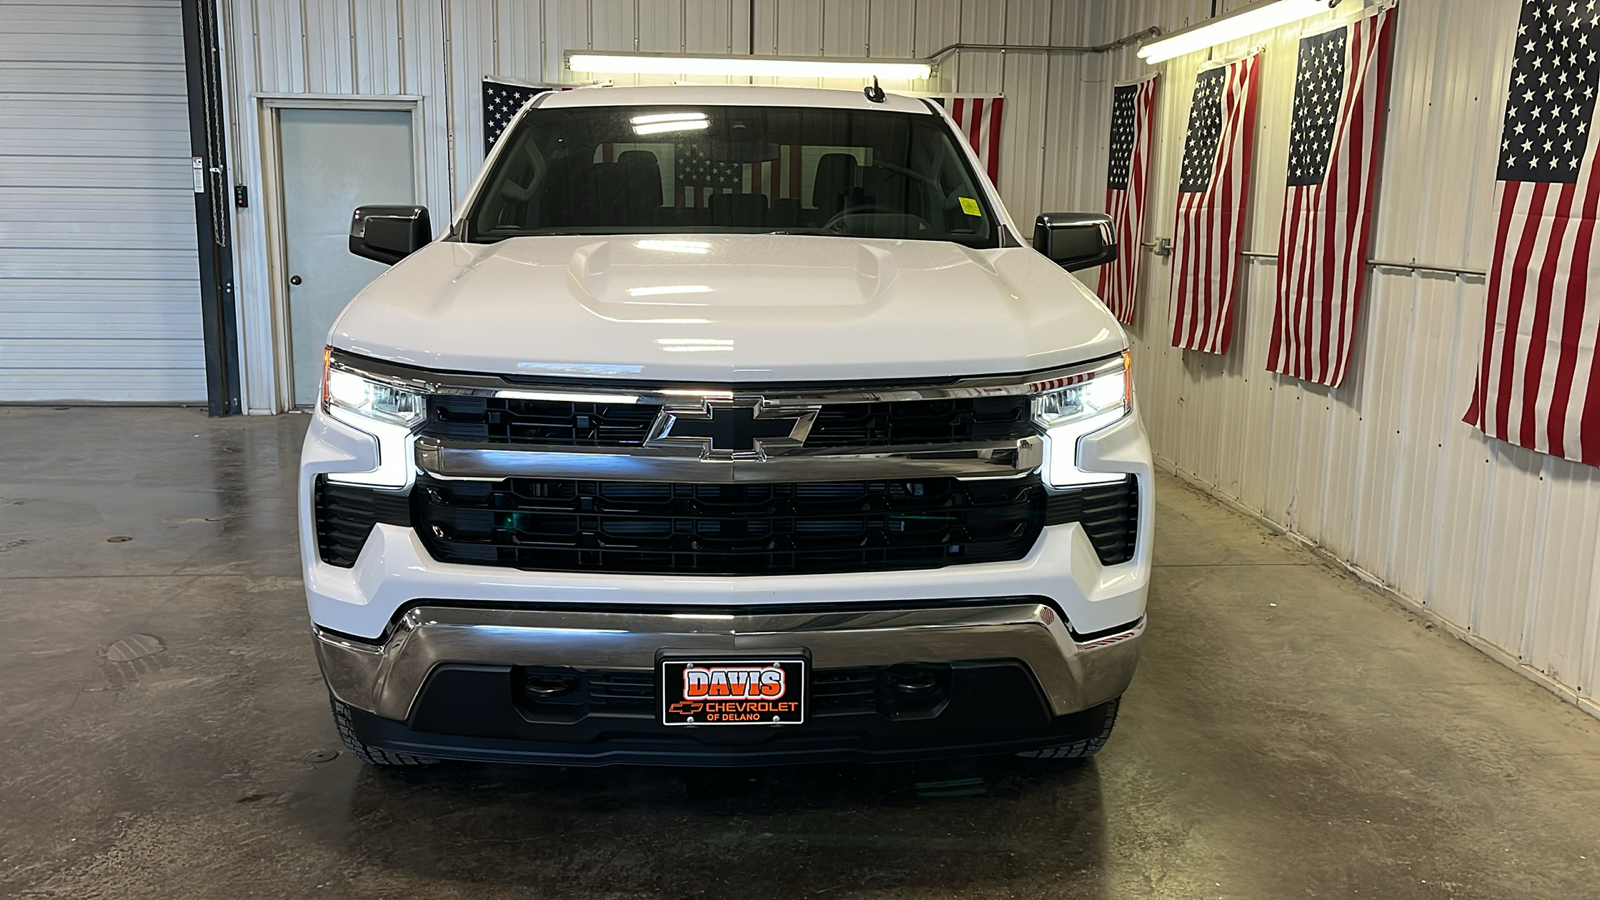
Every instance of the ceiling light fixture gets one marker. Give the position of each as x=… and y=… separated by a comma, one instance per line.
x=667, y=127
x=668, y=117
x=657, y=290
x=697, y=247
x=662, y=123
x=1264, y=15
x=747, y=66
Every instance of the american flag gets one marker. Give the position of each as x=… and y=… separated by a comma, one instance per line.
x=698, y=176
x=978, y=118
x=502, y=100
x=1538, y=385
x=1132, y=111
x=1211, y=205
x=1333, y=175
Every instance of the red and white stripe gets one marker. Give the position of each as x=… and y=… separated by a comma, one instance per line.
x=779, y=179
x=1210, y=227
x=1324, y=240
x=978, y=118
x=1119, y=280
x=1538, y=385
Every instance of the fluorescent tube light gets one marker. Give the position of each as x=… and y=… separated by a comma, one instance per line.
x=1262, y=16
x=658, y=290
x=667, y=127
x=699, y=247
x=663, y=123
x=750, y=66
x=668, y=117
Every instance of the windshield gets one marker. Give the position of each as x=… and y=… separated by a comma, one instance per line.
x=732, y=169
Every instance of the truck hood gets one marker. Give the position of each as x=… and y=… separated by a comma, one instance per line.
x=727, y=309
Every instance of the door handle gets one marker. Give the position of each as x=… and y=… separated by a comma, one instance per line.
x=294, y=279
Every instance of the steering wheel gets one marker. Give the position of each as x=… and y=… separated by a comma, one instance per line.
x=865, y=209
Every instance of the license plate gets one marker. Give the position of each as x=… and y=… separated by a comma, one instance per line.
x=733, y=692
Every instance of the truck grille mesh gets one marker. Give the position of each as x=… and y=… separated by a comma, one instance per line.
x=511, y=421
x=634, y=693
x=910, y=422
x=868, y=425
x=728, y=529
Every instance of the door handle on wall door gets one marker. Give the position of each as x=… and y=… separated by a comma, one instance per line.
x=294, y=279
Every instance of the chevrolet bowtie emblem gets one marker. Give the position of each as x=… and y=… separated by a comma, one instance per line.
x=731, y=430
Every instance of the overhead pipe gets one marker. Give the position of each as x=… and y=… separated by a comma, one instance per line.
x=1137, y=36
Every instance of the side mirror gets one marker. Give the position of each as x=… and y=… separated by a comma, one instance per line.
x=1075, y=240
x=389, y=234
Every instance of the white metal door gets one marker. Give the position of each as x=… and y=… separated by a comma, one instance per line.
x=333, y=160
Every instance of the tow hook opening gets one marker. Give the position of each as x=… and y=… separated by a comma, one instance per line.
x=914, y=690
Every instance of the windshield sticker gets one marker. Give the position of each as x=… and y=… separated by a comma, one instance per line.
x=970, y=206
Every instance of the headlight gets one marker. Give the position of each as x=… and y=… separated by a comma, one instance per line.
x=1101, y=392
x=390, y=414
x=343, y=389
x=1078, y=405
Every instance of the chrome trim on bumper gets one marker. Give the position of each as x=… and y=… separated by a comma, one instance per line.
x=386, y=679
x=464, y=460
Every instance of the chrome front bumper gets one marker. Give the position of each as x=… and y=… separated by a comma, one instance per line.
x=386, y=678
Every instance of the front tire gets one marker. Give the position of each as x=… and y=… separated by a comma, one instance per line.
x=372, y=756
x=1080, y=749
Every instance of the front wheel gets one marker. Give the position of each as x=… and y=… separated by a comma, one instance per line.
x=1080, y=749
x=372, y=756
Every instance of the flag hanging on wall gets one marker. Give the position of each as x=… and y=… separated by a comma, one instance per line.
x=1537, y=384
x=502, y=100
x=1132, y=113
x=1334, y=135
x=978, y=117
x=1212, y=187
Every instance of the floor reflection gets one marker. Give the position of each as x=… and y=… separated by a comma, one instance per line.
x=736, y=833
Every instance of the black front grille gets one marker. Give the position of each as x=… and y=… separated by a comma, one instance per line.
x=728, y=529
x=909, y=422
x=513, y=421
x=346, y=515
x=867, y=425
x=844, y=690
x=1109, y=513
x=553, y=690
x=622, y=691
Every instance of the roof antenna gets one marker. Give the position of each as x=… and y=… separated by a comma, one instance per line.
x=873, y=92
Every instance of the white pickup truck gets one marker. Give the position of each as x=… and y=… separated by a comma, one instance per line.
x=726, y=426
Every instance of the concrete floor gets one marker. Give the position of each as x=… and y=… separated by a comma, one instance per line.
x=164, y=732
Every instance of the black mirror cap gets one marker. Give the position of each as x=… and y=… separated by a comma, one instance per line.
x=389, y=234
x=1075, y=240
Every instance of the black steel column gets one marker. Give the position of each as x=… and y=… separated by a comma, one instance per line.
x=212, y=214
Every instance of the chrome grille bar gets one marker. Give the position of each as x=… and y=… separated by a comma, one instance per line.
x=488, y=462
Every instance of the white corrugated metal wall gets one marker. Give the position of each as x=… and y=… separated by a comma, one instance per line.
x=439, y=50
x=99, y=285
x=1497, y=542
